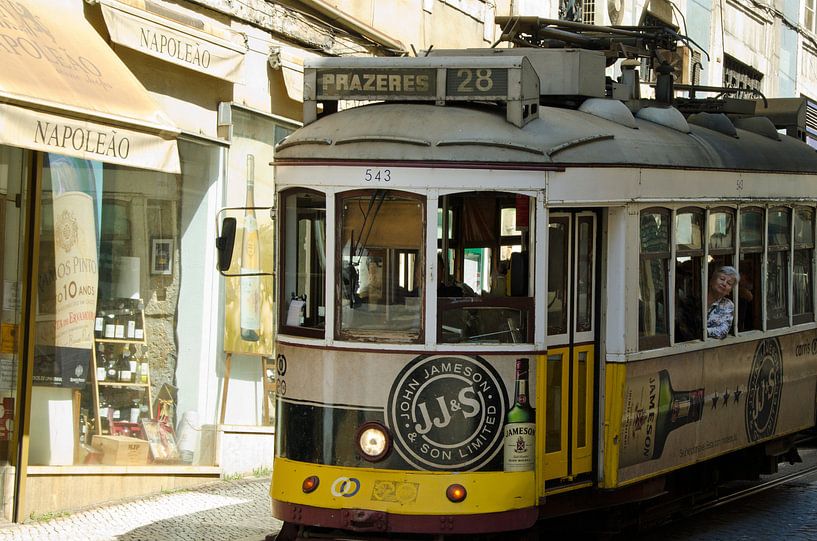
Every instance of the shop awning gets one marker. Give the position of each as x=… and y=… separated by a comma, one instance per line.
x=63, y=90
x=292, y=67
x=175, y=37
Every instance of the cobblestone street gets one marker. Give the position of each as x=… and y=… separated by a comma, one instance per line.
x=222, y=511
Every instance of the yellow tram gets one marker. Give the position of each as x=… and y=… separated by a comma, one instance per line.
x=495, y=291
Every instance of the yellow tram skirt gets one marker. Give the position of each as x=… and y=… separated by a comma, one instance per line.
x=401, y=492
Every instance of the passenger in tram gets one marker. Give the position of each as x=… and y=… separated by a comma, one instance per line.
x=721, y=311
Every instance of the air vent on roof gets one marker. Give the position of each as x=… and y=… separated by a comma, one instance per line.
x=759, y=125
x=665, y=116
x=612, y=110
x=718, y=122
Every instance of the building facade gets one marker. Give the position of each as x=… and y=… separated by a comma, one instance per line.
x=127, y=364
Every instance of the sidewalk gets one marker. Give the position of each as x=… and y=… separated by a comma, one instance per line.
x=220, y=511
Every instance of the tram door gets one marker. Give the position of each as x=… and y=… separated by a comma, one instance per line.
x=571, y=321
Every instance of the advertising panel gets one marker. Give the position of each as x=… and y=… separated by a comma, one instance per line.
x=685, y=408
x=446, y=412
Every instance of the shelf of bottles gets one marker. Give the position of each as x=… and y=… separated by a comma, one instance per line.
x=121, y=373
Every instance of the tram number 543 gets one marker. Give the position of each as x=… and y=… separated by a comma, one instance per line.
x=377, y=175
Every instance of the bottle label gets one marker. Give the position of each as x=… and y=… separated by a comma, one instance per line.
x=100, y=374
x=110, y=330
x=119, y=331
x=640, y=420
x=99, y=324
x=520, y=442
x=250, y=301
x=75, y=261
x=124, y=375
x=139, y=334
x=131, y=329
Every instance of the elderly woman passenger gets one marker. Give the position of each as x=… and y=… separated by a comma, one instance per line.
x=721, y=311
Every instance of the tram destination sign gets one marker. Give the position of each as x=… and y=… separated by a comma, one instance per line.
x=511, y=80
x=362, y=83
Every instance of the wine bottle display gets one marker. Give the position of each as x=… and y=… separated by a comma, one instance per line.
x=652, y=410
x=520, y=429
x=250, y=304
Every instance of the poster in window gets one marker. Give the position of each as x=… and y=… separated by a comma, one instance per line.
x=250, y=188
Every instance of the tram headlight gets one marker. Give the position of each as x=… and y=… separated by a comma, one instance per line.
x=373, y=441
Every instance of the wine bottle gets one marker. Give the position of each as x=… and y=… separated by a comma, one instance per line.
x=120, y=322
x=139, y=317
x=99, y=324
x=75, y=248
x=124, y=367
x=134, y=365
x=111, y=373
x=250, y=302
x=110, y=325
x=130, y=325
x=520, y=428
x=101, y=364
x=652, y=410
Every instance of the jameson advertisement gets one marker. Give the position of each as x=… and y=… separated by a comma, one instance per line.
x=445, y=412
x=68, y=283
x=684, y=408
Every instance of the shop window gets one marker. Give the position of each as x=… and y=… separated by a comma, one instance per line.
x=380, y=236
x=483, y=285
x=803, y=270
x=777, y=270
x=123, y=310
x=750, y=266
x=653, y=320
x=688, y=261
x=303, y=261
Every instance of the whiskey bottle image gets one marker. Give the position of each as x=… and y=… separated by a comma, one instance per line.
x=520, y=429
x=652, y=410
x=250, y=302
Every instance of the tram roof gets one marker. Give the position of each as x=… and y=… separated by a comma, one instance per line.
x=473, y=133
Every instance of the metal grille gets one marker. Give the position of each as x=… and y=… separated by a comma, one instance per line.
x=736, y=74
x=589, y=11
x=811, y=122
x=695, y=68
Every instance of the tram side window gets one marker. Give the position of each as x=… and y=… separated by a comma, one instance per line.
x=803, y=300
x=721, y=254
x=688, y=260
x=750, y=266
x=483, y=290
x=777, y=269
x=653, y=320
x=303, y=258
x=380, y=272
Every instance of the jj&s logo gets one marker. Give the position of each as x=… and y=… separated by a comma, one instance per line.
x=764, y=390
x=446, y=412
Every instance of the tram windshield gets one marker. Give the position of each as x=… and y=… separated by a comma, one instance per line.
x=483, y=281
x=381, y=280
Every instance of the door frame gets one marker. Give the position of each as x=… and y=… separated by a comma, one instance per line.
x=576, y=352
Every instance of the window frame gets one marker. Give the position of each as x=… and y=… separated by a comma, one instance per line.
x=283, y=257
x=382, y=335
x=656, y=341
x=803, y=317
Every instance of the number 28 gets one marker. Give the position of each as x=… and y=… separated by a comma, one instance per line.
x=377, y=175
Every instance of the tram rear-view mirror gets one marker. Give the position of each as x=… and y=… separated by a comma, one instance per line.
x=225, y=243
